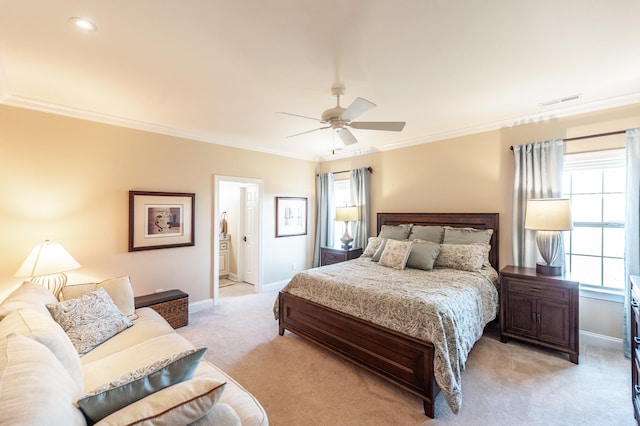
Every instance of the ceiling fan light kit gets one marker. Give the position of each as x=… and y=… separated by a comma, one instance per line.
x=340, y=119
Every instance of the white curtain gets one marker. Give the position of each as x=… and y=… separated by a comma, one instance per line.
x=632, y=226
x=361, y=197
x=324, y=225
x=538, y=174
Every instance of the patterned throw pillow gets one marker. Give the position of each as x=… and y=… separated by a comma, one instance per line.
x=464, y=257
x=137, y=384
x=468, y=236
x=372, y=245
x=395, y=254
x=89, y=319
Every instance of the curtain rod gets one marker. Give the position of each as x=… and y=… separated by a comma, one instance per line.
x=599, y=135
x=347, y=171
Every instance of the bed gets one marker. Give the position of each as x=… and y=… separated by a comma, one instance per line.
x=404, y=355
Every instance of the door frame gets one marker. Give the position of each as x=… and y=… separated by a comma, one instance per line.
x=215, y=249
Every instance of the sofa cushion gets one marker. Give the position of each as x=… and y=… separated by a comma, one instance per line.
x=139, y=383
x=119, y=289
x=89, y=319
x=28, y=296
x=180, y=404
x=44, y=330
x=35, y=389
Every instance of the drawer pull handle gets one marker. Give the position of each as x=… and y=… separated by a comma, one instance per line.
x=637, y=389
x=534, y=290
x=634, y=303
x=637, y=340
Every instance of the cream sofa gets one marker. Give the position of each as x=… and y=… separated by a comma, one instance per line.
x=42, y=376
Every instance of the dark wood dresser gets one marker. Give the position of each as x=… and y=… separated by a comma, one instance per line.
x=331, y=255
x=539, y=309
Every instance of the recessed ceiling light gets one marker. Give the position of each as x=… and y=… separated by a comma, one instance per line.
x=83, y=24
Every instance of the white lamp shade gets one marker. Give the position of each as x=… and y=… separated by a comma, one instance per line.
x=347, y=214
x=548, y=214
x=47, y=258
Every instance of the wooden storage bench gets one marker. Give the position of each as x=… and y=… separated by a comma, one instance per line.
x=173, y=305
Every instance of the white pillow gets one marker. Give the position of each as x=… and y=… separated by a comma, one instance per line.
x=119, y=289
x=46, y=331
x=28, y=296
x=89, y=319
x=35, y=388
x=395, y=254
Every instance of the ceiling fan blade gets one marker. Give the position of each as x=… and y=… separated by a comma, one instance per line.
x=394, y=126
x=308, y=131
x=298, y=115
x=347, y=137
x=357, y=107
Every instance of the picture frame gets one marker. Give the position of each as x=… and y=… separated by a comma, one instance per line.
x=291, y=216
x=160, y=220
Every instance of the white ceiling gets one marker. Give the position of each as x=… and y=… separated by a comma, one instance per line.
x=220, y=70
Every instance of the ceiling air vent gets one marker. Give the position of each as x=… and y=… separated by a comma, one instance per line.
x=561, y=100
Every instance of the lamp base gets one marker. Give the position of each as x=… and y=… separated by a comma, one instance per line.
x=550, y=270
x=53, y=282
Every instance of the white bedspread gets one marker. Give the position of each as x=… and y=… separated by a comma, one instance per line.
x=446, y=307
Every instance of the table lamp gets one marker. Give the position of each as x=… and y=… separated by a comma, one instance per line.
x=46, y=265
x=346, y=215
x=548, y=216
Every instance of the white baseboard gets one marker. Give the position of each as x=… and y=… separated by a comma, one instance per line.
x=273, y=287
x=600, y=340
x=200, y=305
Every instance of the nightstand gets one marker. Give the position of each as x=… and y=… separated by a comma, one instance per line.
x=331, y=255
x=539, y=309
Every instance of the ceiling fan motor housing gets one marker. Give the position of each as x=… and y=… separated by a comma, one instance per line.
x=332, y=115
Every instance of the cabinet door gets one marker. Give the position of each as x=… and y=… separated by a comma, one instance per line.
x=521, y=315
x=553, y=322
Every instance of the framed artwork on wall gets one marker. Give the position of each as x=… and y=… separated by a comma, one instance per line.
x=291, y=216
x=161, y=220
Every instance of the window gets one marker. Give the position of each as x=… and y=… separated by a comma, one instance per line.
x=594, y=250
x=341, y=197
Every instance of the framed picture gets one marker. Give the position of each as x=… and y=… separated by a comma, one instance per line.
x=160, y=220
x=291, y=216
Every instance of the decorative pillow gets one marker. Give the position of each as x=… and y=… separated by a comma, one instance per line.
x=423, y=254
x=89, y=319
x=119, y=289
x=35, y=388
x=464, y=257
x=28, y=296
x=395, y=254
x=427, y=233
x=47, y=332
x=379, y=250
x=466, y=235
x=133, y=386
x=181, y=404
x=395, y=232
x=372, y=245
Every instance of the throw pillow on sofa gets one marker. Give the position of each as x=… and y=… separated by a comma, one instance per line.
x=119, y=289
x=28, y=296
x=139, y=383
x=35, y=388
x=44, y=330
x=89, y=319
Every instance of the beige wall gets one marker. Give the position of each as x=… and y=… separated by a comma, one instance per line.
x=67, y=180
x=475, y=174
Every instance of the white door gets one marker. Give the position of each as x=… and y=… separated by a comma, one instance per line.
x=249, y=239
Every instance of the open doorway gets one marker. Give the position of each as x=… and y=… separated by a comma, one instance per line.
x=237, y=253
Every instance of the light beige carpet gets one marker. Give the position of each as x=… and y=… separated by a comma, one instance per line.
x=503, y=384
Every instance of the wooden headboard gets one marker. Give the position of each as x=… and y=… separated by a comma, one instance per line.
x=458, y=220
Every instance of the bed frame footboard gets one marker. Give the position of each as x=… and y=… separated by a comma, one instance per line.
x=400, y=359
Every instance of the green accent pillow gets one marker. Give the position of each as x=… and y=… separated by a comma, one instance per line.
x=423, y=254
x=428, y=233
x=379, y=250
x=134, y=386
x=395, y=232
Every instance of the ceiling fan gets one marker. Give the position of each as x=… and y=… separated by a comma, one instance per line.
x=341, y=119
